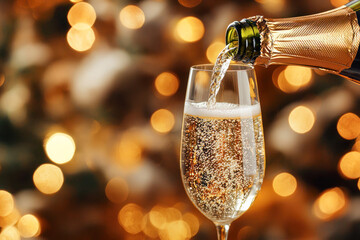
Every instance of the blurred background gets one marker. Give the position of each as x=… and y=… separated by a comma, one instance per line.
x=91, y=101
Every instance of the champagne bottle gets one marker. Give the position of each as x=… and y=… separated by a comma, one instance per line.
x=328, y=40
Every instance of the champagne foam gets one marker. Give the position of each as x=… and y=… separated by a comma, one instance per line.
x=222, y=110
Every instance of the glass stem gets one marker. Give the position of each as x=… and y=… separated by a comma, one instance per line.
x=222, y=231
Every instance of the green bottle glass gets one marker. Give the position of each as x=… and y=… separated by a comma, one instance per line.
x=328, y=40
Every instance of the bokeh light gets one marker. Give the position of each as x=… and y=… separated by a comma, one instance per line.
x=162, y=121
x=273, y=6
x=6, y=203
x=130, y=218
x=48, y=178
x=60, y=148
x=148, y=228
x=298, y=76
x=2, y=79
x=172, y=214
x=348, y=126
x=189, y=3
x=301, y=119
x=282, y=83
x=192, y=222
x=75, y=1
x=178, y=228
x=356, y=146
x=80, y=39
x=358, y=184
x=190, y=29
x=202, y=79
x=10, y=219
x=171, y=224
x=349, y=165
x=213, y=50
x=128, y=153
x=117, y=190
x=331, y=201
x=157, y=217
x=330, y=204
x=81, y=16
x=338, y=3
x=10, y=233
x=132, y=17
x=28, y=226
x=284, y=184
x=167, y=83
x=275, y=76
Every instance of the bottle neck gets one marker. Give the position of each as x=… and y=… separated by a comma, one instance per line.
x=328, y=40
x=354, y=5
x=244, y=37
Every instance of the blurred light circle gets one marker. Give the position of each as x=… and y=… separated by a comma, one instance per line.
x=356, y=146
x=349, y=165
x=273, y=6
x=178, y=228
x=202, y=79
x=298, y=76
x=190, y=29
x=330, y=203
x=301, y=119
x=75, y=1
x=117, y=190
x=189, y=3
x=48, y=178
x=10, y=219
x=213, y=51
x=358, y=184
x=283, y=84
x=132, y=17
x=339, y=3
x=60, y=148
x=192, y=222
x=167, y=83
x=284, y=184
x=130, y=218
x=348, y=126
x=2, y=79
x=6, y=203
x=162, y=121
x=28, y=226
x=128, y=153
x=172, y=214
x=10, y=233
x=157, y=217
x=81, y=16
x=275, y=75
x=148, y=228
x=80, y=39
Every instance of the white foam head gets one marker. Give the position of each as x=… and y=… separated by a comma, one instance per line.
x=222, y=110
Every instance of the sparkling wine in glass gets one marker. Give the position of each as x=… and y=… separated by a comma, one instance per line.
x=222, y=144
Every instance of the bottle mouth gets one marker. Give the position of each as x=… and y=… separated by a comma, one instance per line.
x=232, y=68
x=244, y=37
x=232, y=37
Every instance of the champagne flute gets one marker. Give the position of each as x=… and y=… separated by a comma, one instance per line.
x=222, y=147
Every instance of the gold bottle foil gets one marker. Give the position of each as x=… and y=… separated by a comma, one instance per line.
x=328, y=40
